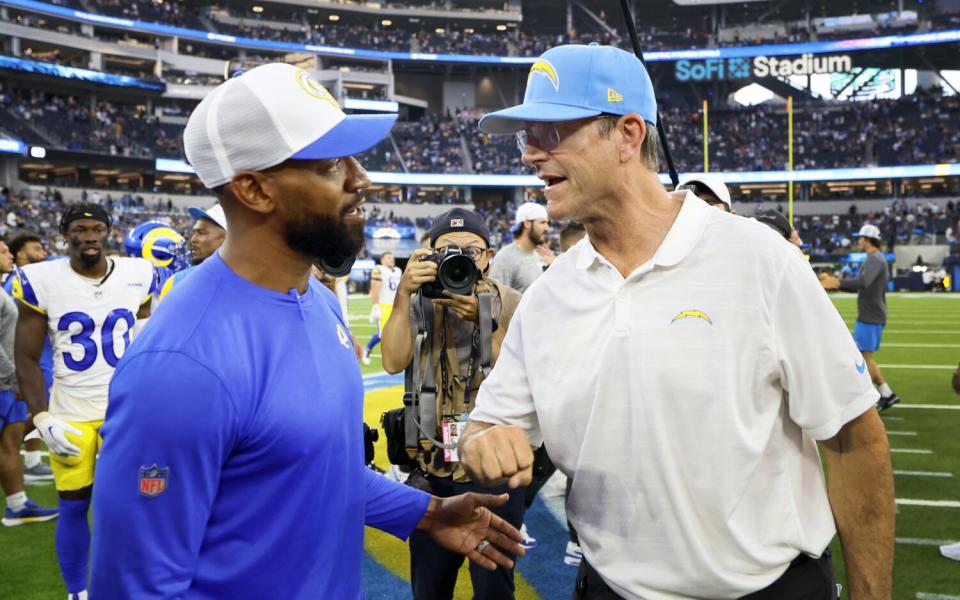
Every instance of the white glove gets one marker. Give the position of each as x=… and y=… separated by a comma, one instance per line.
x=53, y=432
x=375, y=313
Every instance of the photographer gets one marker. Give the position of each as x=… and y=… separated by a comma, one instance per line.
x=454, y=356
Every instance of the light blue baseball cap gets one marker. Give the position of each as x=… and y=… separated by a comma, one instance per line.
x=576, y=82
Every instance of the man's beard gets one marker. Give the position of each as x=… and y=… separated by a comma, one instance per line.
x=536, y=238
x=325, y=238
x=88, y=260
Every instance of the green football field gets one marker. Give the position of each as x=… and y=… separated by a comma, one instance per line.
x=921, y=347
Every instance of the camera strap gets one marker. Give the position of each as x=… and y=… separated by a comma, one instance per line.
x=482, y=347
x=420, y=399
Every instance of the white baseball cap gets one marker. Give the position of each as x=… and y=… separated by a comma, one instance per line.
x=270, y=114
x=712, y=183
x=870, y=231
x=528, y=211
x=214, y=213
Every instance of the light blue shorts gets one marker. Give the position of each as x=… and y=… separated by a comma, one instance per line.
x=867, y=336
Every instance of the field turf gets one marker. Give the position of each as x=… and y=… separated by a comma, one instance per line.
x=921, y=347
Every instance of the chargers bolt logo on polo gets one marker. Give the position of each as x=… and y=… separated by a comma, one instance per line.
x=691, y=314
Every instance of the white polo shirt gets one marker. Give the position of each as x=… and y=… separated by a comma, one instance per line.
x=684, y=402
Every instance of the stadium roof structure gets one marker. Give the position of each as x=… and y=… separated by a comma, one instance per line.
x=826, y=47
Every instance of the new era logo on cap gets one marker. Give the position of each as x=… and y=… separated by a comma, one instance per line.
x=456, y=222
x=613, y=95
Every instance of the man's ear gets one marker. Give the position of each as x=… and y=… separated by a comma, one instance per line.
x=254, y=190
x=633, y=131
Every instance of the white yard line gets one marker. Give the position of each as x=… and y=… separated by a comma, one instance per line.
x=888, y=418
x=926, y=331
x=909, y=451
x=911, y=433
x=936, y=503
x=923, y=473
x=927, y=596
x=905, y=345
x=934, y=367
x=899, y=322
x=923, y=542
x=930, y=406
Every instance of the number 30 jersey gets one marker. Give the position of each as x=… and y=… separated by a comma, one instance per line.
x=89, y=322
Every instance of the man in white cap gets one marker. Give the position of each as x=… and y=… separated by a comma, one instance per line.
x=235, y=469
x=709, y=188
x=681, y=365
x=209, y=232
x=870, y=284
x=521, y=262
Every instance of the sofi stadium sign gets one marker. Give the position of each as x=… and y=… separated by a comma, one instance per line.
x=760, y=66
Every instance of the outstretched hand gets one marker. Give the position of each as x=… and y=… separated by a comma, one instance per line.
x=464, y=524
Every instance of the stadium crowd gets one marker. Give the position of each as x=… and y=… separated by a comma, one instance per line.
x=914, y=129
x=80, y=123
x=900, y=224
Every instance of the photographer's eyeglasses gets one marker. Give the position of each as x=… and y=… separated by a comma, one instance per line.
x=474, y=252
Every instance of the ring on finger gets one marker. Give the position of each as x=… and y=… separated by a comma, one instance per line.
x=481, y=546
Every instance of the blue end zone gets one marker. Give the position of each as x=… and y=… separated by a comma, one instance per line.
x=379, y=582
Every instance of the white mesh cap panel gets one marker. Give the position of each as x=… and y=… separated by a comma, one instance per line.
x=198, y=147
x=250, y=139
x=256, y=121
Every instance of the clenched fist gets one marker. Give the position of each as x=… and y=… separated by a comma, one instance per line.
x=493, y=454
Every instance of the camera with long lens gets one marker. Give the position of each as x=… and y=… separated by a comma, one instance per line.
x=456, y=273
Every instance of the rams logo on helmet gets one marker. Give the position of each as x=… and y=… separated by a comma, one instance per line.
x=158, y=243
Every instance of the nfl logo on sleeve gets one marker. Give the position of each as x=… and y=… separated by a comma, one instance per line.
x=153, y=481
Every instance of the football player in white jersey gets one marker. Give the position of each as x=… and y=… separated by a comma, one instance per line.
x=384, y=281
x=91, y=306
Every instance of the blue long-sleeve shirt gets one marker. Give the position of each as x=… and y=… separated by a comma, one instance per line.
x=249, y=404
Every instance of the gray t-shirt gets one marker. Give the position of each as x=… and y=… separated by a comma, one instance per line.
x=514, y=267
x=871, y=287
x=8, y=326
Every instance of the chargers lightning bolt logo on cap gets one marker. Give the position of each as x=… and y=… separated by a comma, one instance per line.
x=691, y=314
x=545, y=69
